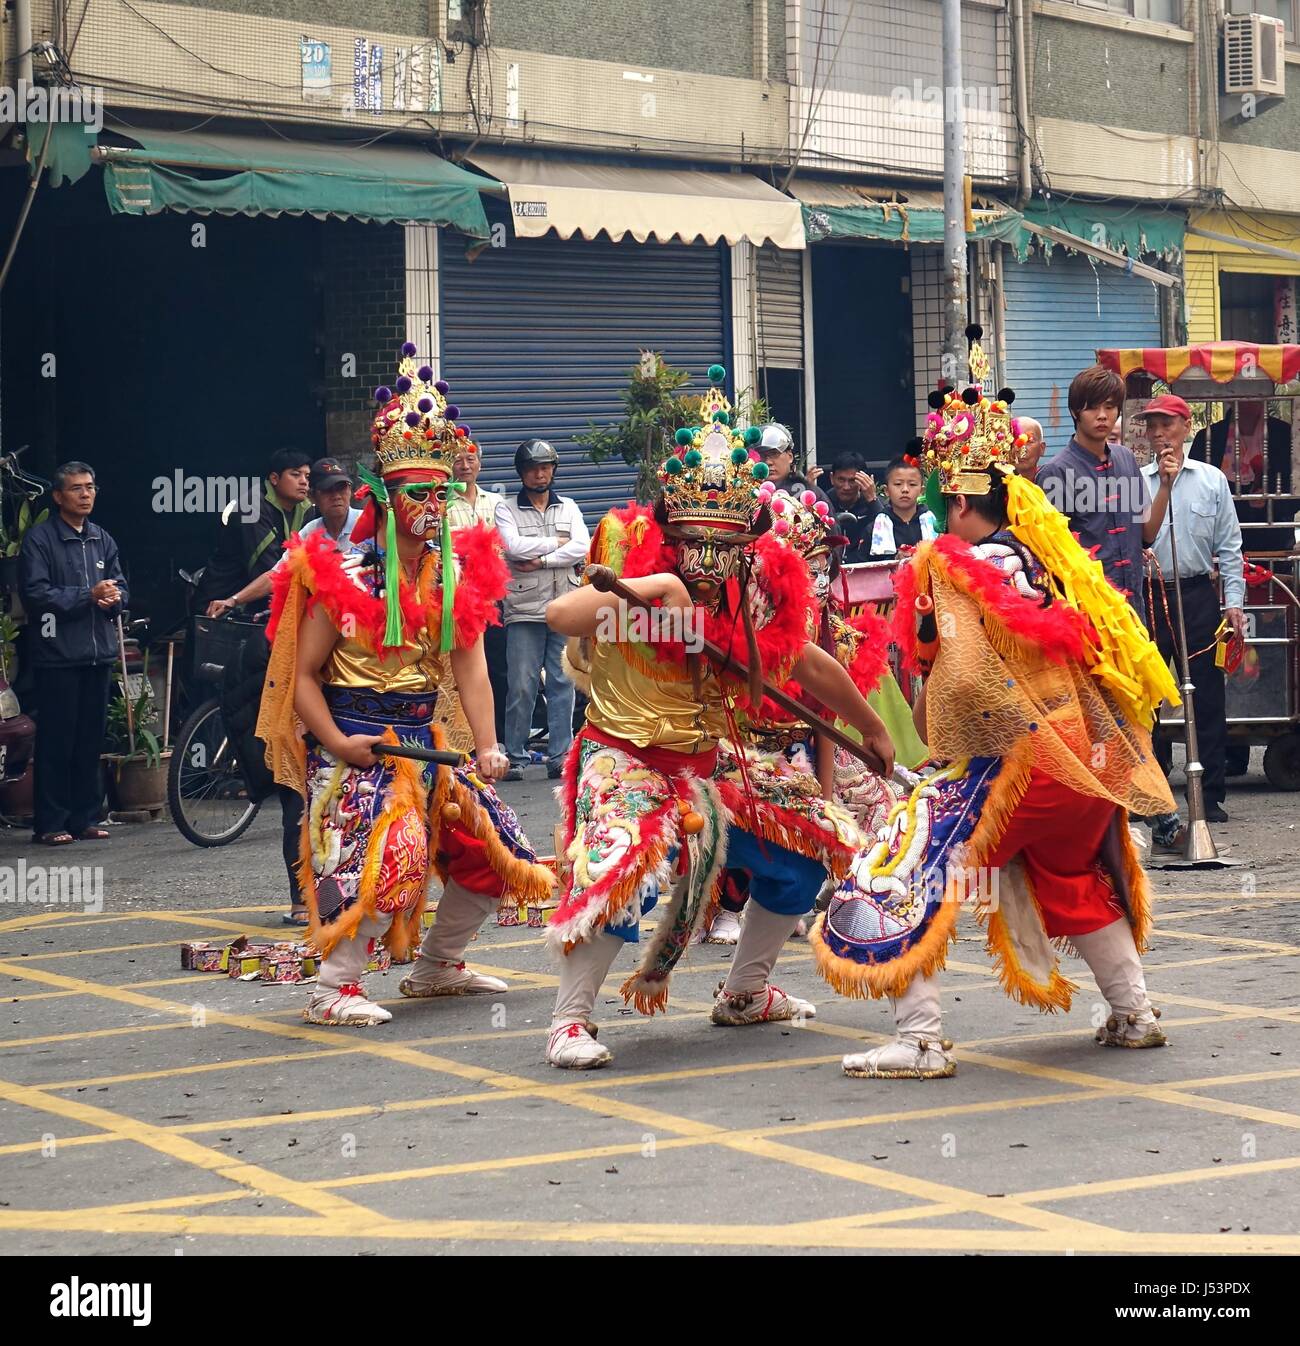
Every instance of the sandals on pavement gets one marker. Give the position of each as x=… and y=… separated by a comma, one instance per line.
x=93, y=834
x=55, y=839
x=298, y=918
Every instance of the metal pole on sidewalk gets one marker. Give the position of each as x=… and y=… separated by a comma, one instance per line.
x=1200, y=844
x=954, y=196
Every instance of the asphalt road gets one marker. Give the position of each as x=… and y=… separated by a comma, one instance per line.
x=145, y=1109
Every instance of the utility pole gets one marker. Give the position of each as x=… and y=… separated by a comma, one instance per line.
x=954, y=197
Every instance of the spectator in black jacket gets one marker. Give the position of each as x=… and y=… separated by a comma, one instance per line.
x=776, y=448
x=73, y=588
x=852, y=488
x=246, y=550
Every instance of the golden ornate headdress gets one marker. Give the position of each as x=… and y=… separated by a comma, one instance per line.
x=415, y=428
x=801, y=520
x=714, y=481
x=414, y=431
x=969, y=435
x=965, y=439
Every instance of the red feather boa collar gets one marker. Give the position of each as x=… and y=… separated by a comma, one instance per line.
x=866, y=639
x=632, y=543
x=480, y=586
x=1059, y=631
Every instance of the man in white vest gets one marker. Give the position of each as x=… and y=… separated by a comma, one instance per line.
x=545, y=540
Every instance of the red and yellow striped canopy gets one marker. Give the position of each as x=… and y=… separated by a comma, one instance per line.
x=1221, y=360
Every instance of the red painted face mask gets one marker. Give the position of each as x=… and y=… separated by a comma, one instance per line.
x=417, y=506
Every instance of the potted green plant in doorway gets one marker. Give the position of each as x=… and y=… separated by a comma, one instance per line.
x=137, y=762
x=11, y=543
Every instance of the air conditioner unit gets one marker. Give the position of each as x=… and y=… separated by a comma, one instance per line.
x=1254, y=55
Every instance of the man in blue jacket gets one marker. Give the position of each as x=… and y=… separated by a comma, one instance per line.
x=73, y=589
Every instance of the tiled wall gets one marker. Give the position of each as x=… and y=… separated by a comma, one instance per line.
x=872, y=96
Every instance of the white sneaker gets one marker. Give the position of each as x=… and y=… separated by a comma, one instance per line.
x=725, y=928
x=1136, y=1030
x=573, y=1046
x=906, y=1058
x=432, y=978
x=344, y=1006
x=770, y=1005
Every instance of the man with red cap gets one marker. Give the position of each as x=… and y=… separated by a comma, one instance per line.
x=1207, y=534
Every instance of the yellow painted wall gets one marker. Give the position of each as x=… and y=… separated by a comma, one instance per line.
x=1278, y=231
x=1201, y=294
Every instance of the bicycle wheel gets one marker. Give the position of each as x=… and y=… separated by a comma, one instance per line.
x=205, y=787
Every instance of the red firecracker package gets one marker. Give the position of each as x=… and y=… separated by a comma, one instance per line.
x=200, y=955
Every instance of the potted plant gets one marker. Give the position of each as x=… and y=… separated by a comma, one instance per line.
x=654, y=410
x=17, y=732
x=137, y=761
x=11, y=542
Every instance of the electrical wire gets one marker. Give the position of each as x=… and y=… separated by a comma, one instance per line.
x=202, y=60
x=254, y=109
x=27, y=203
x=816, y=102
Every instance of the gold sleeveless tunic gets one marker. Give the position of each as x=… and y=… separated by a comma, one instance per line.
x=629, y=704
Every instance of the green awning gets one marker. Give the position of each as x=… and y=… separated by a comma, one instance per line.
x=834, y=210
x=68, y=156
x=205, y=173
x=1117, y=228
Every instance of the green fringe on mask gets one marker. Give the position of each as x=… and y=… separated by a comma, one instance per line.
x=936, y=502
x=392, y=563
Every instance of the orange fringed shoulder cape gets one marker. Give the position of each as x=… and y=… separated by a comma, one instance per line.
x=1012, y=679
x=316, y=572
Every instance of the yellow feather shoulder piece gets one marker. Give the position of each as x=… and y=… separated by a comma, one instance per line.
x=1125, y=660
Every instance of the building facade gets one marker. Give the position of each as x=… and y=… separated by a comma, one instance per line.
x=537, y=190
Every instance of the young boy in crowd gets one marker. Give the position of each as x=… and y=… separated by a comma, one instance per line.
x=900, y=522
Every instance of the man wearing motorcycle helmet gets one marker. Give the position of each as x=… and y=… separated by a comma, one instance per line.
x=545, y=540
x=776, y=449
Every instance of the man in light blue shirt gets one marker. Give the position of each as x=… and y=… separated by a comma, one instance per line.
x=1208, y=534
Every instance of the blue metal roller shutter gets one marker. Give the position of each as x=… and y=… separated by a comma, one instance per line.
x=538, y=338
x=1057, y=315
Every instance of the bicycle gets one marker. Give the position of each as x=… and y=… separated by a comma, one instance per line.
x=208, y=791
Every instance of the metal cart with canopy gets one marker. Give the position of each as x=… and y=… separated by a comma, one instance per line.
x=1263, y=702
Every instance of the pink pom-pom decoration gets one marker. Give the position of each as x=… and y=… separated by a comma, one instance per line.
x=822, y=508
x=781, y=527
x=778, y=506
x=809, y=499
x=963, y=425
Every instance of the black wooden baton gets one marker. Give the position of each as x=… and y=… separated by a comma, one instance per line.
x=604, y=579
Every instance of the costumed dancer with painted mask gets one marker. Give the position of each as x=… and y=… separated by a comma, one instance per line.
x=358, y=644
x=644, y=818
x=1041, y=684
x=781, y=746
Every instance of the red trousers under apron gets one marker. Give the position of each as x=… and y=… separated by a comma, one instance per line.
x=1057, y=833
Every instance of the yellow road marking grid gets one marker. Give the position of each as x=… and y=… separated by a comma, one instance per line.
x=867, y=1160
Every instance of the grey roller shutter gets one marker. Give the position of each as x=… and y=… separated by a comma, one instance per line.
x=780, y=309
x=1057, y=315
x=538, y=338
